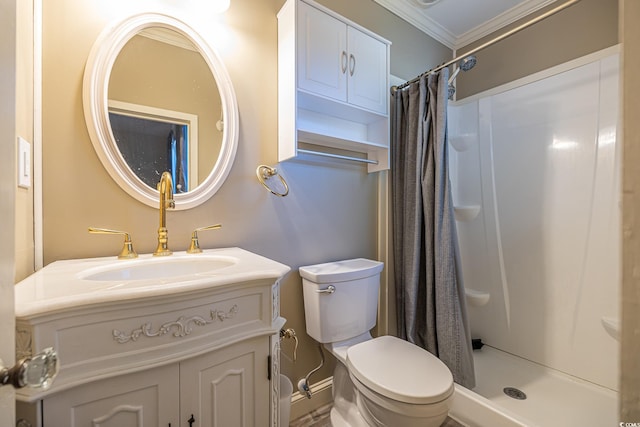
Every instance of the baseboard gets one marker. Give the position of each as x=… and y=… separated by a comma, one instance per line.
x=321, y=394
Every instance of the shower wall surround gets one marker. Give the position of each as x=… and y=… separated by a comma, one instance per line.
x=541, y=159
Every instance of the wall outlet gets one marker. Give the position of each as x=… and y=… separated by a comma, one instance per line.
x=24, y=163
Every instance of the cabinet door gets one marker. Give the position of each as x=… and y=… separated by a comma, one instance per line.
x=322, y=53
x=228, y=387
x=143, y=399
x=367, y=71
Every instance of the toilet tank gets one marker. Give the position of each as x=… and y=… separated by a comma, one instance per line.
x=347, y=311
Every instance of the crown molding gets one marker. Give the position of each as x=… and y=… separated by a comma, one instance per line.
x=417, y=17
x=508, y=17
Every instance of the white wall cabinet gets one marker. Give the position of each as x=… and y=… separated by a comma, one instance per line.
x=340, y=61
x=332, y=83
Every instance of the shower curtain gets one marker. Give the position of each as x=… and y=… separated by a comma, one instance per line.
x=431, y=310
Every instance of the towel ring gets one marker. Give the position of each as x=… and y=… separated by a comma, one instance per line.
x=265, y=172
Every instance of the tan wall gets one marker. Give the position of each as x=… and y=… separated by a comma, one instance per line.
x=630, y=366
x=585, y=27
x=24, y=128
x=329, y=214
x=8, y=124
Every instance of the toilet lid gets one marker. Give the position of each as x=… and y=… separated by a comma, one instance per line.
x=400, y=370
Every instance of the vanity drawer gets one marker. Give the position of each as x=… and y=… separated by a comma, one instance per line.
x=142, y=334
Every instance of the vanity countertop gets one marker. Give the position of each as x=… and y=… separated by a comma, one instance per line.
x=81, y=283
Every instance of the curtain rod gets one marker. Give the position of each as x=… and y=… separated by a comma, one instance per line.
x=489, y=43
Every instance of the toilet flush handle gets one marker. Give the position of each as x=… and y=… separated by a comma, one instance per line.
x=328, y=290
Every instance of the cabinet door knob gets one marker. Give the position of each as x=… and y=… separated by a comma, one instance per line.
x=343, y=61
x=352, y=64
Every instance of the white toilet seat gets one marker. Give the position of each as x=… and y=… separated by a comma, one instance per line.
x=379, y=410
x=398, y=370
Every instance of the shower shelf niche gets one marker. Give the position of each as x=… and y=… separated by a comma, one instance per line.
x=463, y=141
x=612, y=326
x=466, y=213
x=476, y=298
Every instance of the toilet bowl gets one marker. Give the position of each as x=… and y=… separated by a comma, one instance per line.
x=383, y=381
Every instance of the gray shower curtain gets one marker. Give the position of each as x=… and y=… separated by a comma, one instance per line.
x=431, y=310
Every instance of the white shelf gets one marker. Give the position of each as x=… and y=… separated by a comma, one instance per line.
x=331, y=107
x=476, y=298
x=466, y=213
x=612, y=326
x=463, y=141
x=375, y=152
x=339, y=142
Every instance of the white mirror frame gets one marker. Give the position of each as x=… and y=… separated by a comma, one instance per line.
x=95, y=103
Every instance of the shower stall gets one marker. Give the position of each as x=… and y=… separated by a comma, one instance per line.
x=535, y=171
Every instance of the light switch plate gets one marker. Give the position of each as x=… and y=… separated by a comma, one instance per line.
x=24, y=163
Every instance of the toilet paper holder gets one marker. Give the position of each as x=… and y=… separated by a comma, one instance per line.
x=303, y=383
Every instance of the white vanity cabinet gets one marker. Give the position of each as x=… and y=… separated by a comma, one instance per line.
x=143, y=399
x=155, y=352
x=333, y=84
x=228, y=387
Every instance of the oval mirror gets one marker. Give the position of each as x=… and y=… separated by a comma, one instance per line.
x=157, y=98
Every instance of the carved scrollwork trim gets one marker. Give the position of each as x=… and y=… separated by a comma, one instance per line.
x=275, y=381
x=181, y=327
x=275, y=301
x=23, y=343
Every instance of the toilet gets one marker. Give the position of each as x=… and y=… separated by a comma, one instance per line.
x=383, y=381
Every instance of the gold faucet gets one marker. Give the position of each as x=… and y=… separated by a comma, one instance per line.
x=165, y=187
x=127, y=250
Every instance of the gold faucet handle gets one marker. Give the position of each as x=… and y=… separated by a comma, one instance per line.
x=127, y=250
x=194, y=248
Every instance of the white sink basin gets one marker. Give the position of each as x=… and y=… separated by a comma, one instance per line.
x=159, y=268
x=73, y=284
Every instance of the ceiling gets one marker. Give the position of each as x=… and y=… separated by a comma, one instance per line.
x=456, y=23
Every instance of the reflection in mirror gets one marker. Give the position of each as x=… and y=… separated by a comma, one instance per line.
x=153, y=68
x=163, y=102
x=151, y=145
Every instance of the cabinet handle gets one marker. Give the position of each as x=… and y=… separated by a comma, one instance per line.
x=352, y=64
x=343, y=61
x=191, y=421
